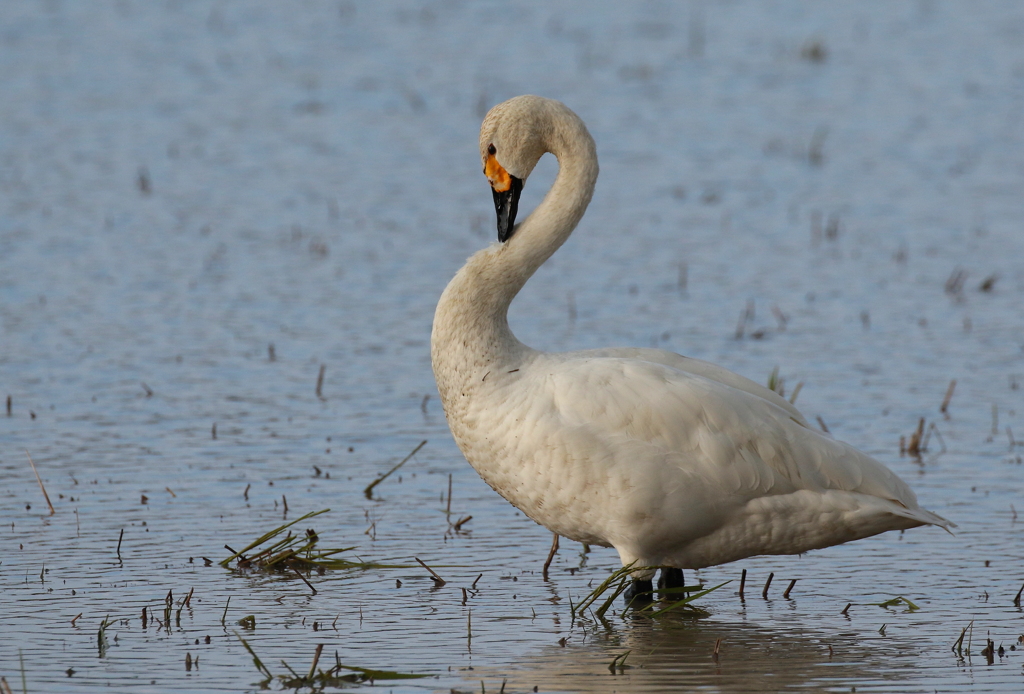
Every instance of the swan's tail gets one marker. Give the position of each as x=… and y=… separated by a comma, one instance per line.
x=924, y=516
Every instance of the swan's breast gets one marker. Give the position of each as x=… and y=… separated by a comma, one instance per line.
x=579, y=464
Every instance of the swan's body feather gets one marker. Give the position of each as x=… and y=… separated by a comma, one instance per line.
x=673, y=461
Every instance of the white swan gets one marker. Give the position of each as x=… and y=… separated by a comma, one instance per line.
x=672, y=461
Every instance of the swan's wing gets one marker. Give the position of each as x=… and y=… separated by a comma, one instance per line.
x=725, y=437
x=698, y=367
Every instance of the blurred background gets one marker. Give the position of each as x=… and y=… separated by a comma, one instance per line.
x=224, y=227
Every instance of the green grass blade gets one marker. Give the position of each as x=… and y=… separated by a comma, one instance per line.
x=255, y=658
x=616, y=575
x=687, y=601
x=680, y=590
x=619, y=590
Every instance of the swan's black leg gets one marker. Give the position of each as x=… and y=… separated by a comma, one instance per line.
x=639, y=593
x=671, y=578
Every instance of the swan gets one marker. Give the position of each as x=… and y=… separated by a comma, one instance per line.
x=675, y=462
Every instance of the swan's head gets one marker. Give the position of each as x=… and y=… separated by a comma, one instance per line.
x=513, y=138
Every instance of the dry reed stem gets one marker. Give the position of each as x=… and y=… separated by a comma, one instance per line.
x=40, y=481
x=316, y=659
x=299, y=574
x=949, y=396
x=796, y=392
x=958, y=644
x=789, y=589
x=780, y=317
x=745, y=317
x=438, y=581
x=369, y=489
x=914, y=447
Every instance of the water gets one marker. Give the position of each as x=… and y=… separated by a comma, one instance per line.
x=185, y=184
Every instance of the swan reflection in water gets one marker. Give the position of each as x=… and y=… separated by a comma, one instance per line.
x=675, y=653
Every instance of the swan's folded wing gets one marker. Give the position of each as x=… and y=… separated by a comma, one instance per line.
x=698, y=367
x=721, y=435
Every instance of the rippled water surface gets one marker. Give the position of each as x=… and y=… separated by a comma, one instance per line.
x=201, y=204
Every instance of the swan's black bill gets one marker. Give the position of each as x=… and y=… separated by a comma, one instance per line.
x=506, y=204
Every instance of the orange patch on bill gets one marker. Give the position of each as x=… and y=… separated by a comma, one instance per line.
x=496, y=174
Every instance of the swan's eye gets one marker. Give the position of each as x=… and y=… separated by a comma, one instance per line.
x=491, y=150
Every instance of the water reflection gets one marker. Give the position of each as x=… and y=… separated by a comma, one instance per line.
x=678, y=652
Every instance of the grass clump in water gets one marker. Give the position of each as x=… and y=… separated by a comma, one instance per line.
x=894, y=602
x=294, y=552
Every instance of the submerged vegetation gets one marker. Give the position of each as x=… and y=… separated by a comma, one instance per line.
x=317, y=680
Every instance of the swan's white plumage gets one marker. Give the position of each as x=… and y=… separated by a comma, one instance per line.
x=673, y=461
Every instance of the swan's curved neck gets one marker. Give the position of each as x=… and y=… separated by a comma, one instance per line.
x=471, y=321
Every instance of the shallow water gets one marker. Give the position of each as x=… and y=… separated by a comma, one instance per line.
x=185, y=184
